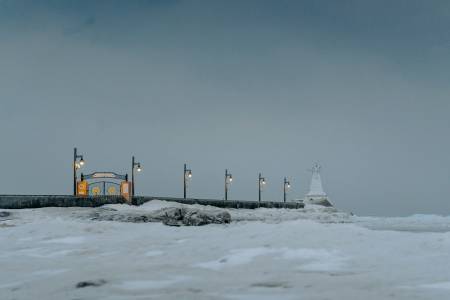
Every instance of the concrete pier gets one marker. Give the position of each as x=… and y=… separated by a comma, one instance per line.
x=37, y=201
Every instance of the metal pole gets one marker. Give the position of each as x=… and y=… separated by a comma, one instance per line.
x=259, y=188
x=132, y=176
x=74, y=172
x=284, y=190
x=184, y=182
x=226, y=184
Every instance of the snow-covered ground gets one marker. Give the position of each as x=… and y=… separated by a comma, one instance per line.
x=316, y=253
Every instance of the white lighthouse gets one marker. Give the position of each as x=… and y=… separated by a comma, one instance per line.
x=316, y=194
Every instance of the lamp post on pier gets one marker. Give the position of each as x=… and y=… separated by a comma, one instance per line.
x=187, y=175
x=261, y=183
x=76, y=165
x=286, y=187
x=228, y=180
x=134, y=166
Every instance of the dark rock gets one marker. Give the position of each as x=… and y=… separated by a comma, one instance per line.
x=4, y=214
x=174, y=216
x=95, y=283
x=271, y=284
x=171, y=216
x=171, y=222
x=3, y=225
x=202, y=217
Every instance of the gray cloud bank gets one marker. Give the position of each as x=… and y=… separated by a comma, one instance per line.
x=270, y=86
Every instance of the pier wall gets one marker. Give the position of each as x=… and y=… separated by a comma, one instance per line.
x=37, y=201
x=139, y=200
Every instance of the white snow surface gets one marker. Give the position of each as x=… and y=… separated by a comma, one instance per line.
x=315, y=253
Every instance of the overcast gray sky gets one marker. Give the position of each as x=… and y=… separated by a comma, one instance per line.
x=253, y=86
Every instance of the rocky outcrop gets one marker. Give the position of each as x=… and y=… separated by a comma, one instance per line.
x=4, y=214
x=194, y=217
x=172, y=216
x=94, y=283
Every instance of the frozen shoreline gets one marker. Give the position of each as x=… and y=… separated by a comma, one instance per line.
x=266, y=254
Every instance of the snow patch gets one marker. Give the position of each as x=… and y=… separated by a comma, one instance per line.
x=439, y=285
x=10, y=285
x=154, y=253
x=414, y=223
x=311, y=259
x=71, y=240
x=38, y=252
x=237, y=257
x=317, y=260
x=263, y=297
x=50, y=272
x=133, y=285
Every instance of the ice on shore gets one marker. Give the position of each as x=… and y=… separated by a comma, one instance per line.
x=307, y=259
x=315, y=253
x=414, y=223
x=310, y=212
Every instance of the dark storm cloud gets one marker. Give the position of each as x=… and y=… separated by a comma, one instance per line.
x=271, y=86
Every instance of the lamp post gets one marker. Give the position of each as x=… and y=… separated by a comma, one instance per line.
x=76, y=166
x=187, y=175
x=134, y=166
x=286, y=186
x=228, y=180
x=261, y=183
